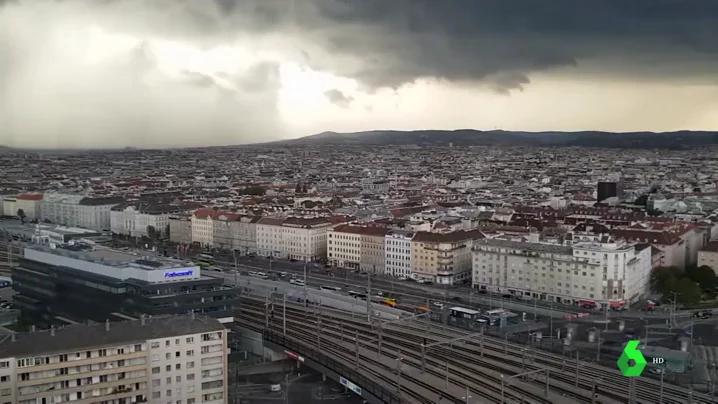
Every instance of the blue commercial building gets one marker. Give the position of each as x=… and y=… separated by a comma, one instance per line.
x=83, y=282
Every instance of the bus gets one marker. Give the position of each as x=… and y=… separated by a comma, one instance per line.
x=495, y=312
x=330, y=288
x=460, y=312
x=357, y=295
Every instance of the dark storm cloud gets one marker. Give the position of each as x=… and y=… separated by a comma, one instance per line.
x=338, y=98
x=462, y=40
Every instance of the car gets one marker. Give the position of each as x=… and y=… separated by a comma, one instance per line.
x=438, y=304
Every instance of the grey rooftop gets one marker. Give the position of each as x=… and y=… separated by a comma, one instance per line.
x=80, y=337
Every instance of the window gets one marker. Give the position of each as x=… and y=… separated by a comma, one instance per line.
x=189, y=340
x=155, y=394
x=190, y=365
x=189, y=353
x=4, y=379
x=155, y=357
x=190, y=376
x=168, y=356
x=4, y=364
x=177, y=354
x=138, y=347
x=156, y=382
x=155, y=345
x=155, y=370
x=168, y=368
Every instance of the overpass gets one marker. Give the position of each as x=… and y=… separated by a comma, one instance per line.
x=414, y=361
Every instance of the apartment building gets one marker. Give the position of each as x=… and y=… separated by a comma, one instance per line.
x=299, y=238
x=444, y=258
x=397, y=253
x=79, y=282
x=78, y=211
x=357, y=246
x=202, y=226
x=178, y=360
x=708, y=256
x=343, y=247
x=235, y=231
x=136, y=219
x=600, y=270
x=679, y=242
x=180, y=229
x=30, y=204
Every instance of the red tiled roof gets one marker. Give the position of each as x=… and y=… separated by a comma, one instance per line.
x=454, y=236
x=30, y=197
x=365, y=230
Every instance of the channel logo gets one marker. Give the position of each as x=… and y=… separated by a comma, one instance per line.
x=177, y=274
x=631, y=352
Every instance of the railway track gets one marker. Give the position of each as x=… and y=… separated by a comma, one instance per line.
x=505, y=358
x=461, y=373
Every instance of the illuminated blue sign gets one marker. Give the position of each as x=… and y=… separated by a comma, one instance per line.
x=179, y=274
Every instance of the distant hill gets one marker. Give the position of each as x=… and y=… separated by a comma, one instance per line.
x=467, y=137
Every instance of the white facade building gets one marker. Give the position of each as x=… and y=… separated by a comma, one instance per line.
x=613, y=273
x=398, y=253
x=203, y=226
x=135, y=219
x=78, y=211
x=180, y=359
x=343, y=248
x=303, y=239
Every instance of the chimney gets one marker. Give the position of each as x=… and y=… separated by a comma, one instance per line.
x=107, y=325
x=192, y=315
x=32, y=328
x=52, y=330
x=142, y=319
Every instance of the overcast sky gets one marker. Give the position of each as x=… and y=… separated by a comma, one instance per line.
x=149, y=73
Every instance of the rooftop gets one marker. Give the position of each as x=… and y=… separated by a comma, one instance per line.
x=81, y=337
x=111, y=257
x=520, y=245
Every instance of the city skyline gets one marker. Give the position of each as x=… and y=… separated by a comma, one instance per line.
x=180, y=73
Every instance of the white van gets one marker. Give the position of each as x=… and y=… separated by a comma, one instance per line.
x=297, y=282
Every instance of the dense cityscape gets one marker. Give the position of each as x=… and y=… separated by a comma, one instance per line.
x=562, y=253
x=358, y=202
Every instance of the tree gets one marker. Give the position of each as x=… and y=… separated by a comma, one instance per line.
x=151, y=232
x=167, y=231
x=687, y=292
x=21, y=215
x=663, y=279
x=304, y=189
x=298, y=189
x=256, y=190
x=703, y=275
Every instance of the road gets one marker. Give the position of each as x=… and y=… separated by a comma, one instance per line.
x=420, y=293
x=476, y=363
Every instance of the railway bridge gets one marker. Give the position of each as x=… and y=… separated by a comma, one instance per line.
x=414, y=361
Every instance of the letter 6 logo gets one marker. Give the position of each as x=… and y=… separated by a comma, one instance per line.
x=631, y=352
